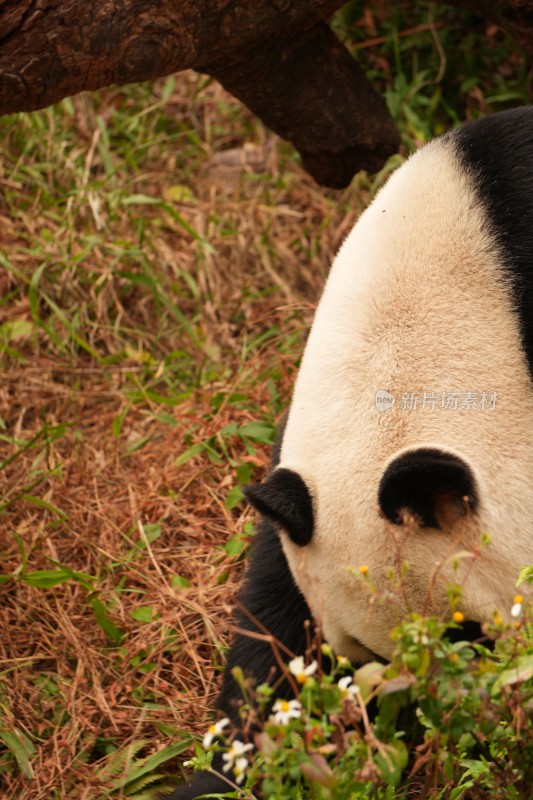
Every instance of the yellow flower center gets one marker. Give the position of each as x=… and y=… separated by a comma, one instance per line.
x=458, y=616
x=284, y=706
x=518, y=598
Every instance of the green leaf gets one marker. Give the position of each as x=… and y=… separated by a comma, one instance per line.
x=41, y=434
x=46, y=578
x=244, y=472
x=84, y=578
x=21, y=747
x=178, y=192
x=474, y=771
x=114, y=634
x=475, y=768
x=20, y=544
x=460, y=791
x=235, y=546
x=141, y=199
x=165, y=417
x=195, y=450
x=146, y=668
x=152, y=531
x=234, y=497
x=262, y=432
x=40, y=503
x=392, y=761
x=520, y=672
x=18, y=329
x=137, y=445
x=144, y=614
x=116, y=425
x=179, y=582
x=525, y=574
x=143, y=766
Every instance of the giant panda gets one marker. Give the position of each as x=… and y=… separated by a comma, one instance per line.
x=410, y=433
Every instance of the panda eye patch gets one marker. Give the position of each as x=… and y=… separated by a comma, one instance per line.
x=285, y=498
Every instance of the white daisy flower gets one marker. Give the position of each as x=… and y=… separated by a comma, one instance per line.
x=285, y=710
x=517, y=606
x=347, y=687
x=300, y=671
x=239, y=770
x=214, y=730
x=235, y=752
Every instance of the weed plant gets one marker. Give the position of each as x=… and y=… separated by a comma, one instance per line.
x=447, y=718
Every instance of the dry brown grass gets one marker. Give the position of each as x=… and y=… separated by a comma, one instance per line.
x=89, y=284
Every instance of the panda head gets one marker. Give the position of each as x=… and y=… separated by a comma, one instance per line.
x=410, y=433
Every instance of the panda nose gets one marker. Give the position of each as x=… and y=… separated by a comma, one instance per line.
x=434, y=487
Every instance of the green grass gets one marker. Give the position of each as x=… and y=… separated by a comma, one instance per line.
x=436, y=66
x=161, y=256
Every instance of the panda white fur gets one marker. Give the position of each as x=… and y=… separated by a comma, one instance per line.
x=430, y=299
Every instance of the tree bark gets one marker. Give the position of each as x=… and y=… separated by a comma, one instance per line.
x=53, y=48
x=274, y=55
x=312, y=92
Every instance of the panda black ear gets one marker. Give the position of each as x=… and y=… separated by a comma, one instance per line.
x=285, y=498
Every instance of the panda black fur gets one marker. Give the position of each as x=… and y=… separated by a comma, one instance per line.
x=432, y=292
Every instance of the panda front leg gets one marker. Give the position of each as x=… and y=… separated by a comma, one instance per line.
x=269, y=602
